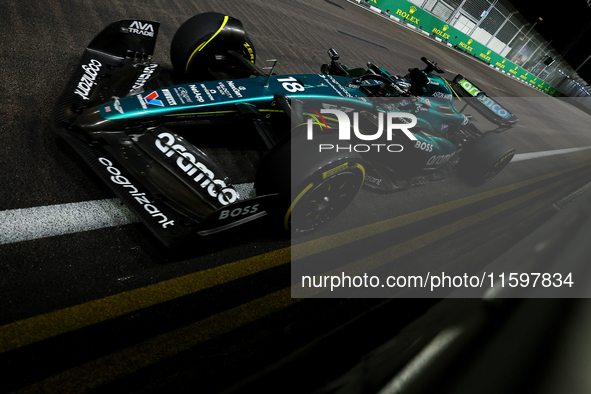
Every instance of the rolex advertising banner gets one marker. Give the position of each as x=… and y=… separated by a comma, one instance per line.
x=423, y=20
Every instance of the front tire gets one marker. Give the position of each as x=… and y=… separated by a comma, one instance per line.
x=314, y=187
x=201, y=45
x=324, y=196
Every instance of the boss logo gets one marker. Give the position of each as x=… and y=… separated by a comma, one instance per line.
x=238, y=212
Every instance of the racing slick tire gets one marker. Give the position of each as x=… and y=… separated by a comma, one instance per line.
x=202, y=44
x=314, y=187
x=482, y=160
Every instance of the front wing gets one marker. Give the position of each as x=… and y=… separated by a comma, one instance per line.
x=144, y=181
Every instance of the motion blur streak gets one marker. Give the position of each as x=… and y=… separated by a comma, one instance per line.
x=25, y=332
x=376, y=260
x=326, y=243
x=158, y=348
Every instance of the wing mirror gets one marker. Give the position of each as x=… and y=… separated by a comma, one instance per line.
x=333, y=54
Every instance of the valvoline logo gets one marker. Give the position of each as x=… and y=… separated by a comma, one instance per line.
x=151, y=99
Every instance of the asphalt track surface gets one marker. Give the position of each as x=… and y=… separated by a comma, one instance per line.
x=103, y=307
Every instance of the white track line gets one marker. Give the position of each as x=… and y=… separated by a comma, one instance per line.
x=536, y=155
x=17, y=225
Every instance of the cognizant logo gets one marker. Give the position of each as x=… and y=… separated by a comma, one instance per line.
x=394, y=121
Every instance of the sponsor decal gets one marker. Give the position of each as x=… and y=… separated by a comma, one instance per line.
x=236, y=89
x=250, y=51
x=485, y=56
x=439, y=159
x=467, y=46
x=494, y=107
x=142, y=101
x=133, y=191
x=197, y=94
x=238, y=212
x=117, y=106
x=168, y=97
x=152, y=99
x=408, y=15
x=441, y=33
x=223, y=90
x=424, y=146
x=208, y=92
x=501, y=64
x=441, y=95
x=184, y=96
x=337, y=87
x=514, y=70
x=144, y=77
x=372, y=179
x=469, y=87
x=202, y=175
x=335, y=170
x=138, y=27
x=87, y=81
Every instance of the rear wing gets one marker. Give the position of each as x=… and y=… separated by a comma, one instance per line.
x=486, y=106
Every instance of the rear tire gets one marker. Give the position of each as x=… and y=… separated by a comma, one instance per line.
x=482, y=160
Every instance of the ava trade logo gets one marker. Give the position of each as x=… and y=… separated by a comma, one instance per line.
x=151, y=99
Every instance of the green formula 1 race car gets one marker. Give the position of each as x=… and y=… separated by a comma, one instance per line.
x=318, y=130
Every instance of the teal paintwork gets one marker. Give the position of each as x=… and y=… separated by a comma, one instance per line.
x=434, y=110
x=214, y=97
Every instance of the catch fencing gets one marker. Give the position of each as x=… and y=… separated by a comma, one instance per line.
x=494, y=32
